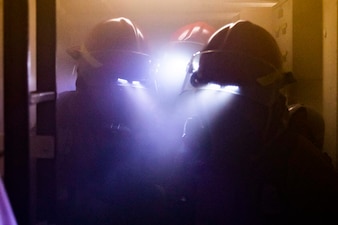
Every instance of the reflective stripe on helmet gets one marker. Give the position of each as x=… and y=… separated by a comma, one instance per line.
x=270, y=78
x=89, y=58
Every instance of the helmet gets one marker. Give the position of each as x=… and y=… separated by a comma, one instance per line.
x=183, y=43
x=113, y=49
x=242, y=61
x=192, y=37
x=241, y=54
x=189, y=39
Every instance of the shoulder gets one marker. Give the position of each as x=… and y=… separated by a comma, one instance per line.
x=65, y=98
x=66, y=105
x=302, y=157
x=307, y=122
x=308, y=164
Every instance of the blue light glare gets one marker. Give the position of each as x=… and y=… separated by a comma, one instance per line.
x=173, y=69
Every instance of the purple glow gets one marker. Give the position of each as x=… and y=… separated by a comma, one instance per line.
x=6, y=213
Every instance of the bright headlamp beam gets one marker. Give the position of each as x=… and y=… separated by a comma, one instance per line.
x=217, y=87
x=126, y=83
x=122, y=81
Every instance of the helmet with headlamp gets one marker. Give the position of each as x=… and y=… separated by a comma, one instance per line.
x=114, y=50
x=246, y=56
x=241, y=54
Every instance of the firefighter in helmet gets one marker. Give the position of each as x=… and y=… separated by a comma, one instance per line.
x=105, y=131
x=245, y=57
x=169, y=75
x=248, y=168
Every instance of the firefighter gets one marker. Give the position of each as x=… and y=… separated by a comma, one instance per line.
x=106, y=131
x=243, y=165
x=169, y=76
x=171, y=70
